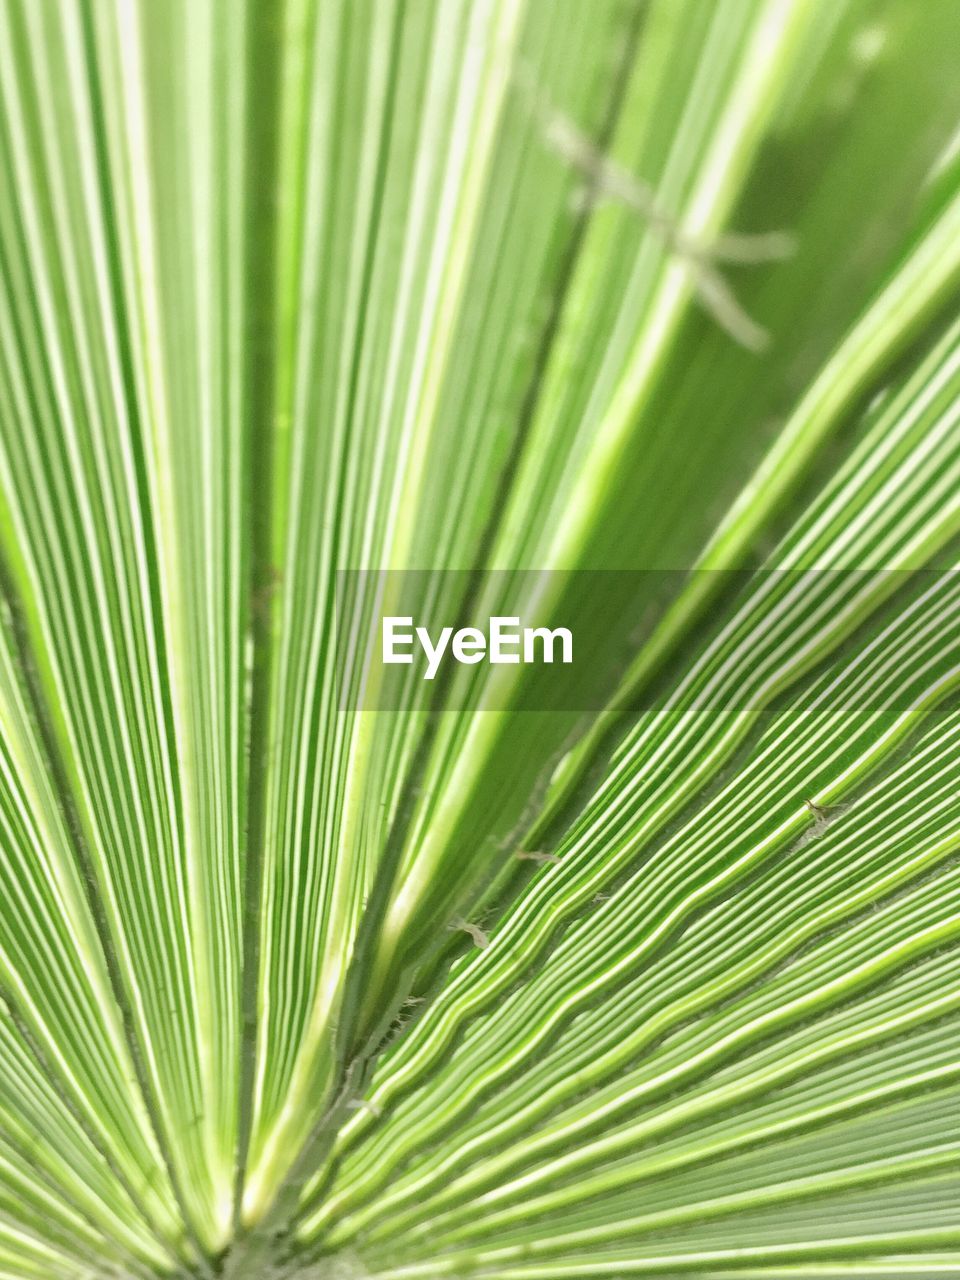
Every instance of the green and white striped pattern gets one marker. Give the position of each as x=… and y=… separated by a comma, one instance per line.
x=289, y=287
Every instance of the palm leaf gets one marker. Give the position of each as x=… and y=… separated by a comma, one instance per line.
x=642, y=311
